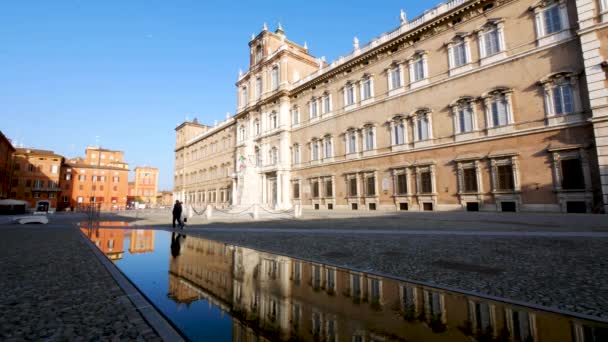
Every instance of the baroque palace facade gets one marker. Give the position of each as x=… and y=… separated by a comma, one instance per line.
x=496, y=105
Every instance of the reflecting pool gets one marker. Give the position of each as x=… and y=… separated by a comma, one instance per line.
x=214, y=291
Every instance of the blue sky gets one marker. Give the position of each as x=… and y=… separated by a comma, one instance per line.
x=126, y=73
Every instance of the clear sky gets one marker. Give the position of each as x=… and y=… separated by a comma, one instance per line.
x=123, y=74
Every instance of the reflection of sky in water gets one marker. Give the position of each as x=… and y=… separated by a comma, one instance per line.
x=199, y=320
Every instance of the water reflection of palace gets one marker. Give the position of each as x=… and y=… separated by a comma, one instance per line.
x=141, y=241
x=279, y=298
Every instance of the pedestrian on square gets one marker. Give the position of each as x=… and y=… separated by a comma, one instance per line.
x=177, y=213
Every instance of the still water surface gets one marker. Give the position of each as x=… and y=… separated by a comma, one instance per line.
x=214, y=291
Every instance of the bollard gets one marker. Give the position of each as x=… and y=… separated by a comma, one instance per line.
x=209, y=211
x=256, y=214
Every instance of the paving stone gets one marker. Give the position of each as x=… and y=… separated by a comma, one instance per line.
x=54, y=288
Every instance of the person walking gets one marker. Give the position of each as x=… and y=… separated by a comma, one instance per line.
x=177, y=213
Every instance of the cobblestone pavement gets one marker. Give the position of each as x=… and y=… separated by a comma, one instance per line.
x=53, y=288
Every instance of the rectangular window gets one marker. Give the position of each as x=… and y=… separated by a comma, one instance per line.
x=296, y=190
x=504, y=177
x=399, y=133
x=521, y=326
x=350, y=94
x=426, y=186
x=295, y=116
x=326, y=104
x=572, y=174
x=54, y=169
x=552, y=20
x=367, y=88
x=352, y=142
x=375, y=291
x=352, y=186
x=499, y=112
x=313, y=109
x=296, y=154
x=481, y=316
x=423, y=127
x=328, y=148
x=419, y=70
x=469, y=181
x=369, y=139
x=275, y=78
x=562, y=99
x=258, y=87
x=402, y=184
x=315, y=150
x=315, y=189
x=329, y=188
x=395, y=75
x=460, y=55
x=465, y=118
x=370, y=185
x=492, y=43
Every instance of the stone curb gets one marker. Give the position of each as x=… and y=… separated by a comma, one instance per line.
x=163, y=327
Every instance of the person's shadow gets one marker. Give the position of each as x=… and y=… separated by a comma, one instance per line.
x=176, y=244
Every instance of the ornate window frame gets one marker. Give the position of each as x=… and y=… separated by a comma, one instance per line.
x=507, y=158
x=369, y=128
x=456, y=106
x=295, y=116
x=419, y=168
x=366, y=78
x=565, y=195
x=313, y=109
x=469, y=162
x=328, y=139
x=464, y=39
x=326, y=99
x=420, y=114
x=394, y=123
x=549, y=84
x=398, y=197
x=348, y=135
x=492, y=96
x=497, y=25
x=349, y=106
x=422, y=57
x=539, y=9
x=398, y=67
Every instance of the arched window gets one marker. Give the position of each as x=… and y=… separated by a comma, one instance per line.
x=395, y=77
x=258, y=88
x=349, y=94
x=326, y=103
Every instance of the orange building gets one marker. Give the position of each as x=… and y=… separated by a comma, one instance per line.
x=141, y=241
x=35, y=178
x=6, y=162
x=101, y=177
x=145, y=184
